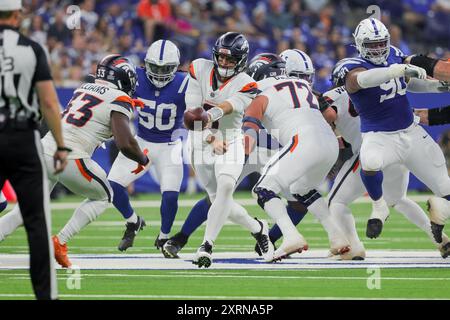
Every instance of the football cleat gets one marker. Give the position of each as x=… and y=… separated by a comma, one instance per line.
x=439, y=209
x=159, y=243
x=132, y=229
x=61, y=253
x=263, y=241
x=379, y=215
x=289, y=246
x=444, y=246
x=357, y=253
x=203, y=257
x=174, y=245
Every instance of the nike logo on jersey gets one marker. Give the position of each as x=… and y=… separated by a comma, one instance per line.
x=425, y=136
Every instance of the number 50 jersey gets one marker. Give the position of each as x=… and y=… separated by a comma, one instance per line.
x=86, y=122
x=164, y=108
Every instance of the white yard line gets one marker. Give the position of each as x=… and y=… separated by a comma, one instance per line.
x=312, y=259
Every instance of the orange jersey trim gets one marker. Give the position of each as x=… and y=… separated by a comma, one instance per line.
x=355, y=167
x=295, y=144
x=82, y=171
x=191, y=71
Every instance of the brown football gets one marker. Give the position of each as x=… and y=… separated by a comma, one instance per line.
x=195, y=118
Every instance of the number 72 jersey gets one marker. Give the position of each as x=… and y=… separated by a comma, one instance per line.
x=164, y=108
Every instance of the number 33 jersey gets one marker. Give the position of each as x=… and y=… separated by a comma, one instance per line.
x=86, y=122
x=164, y=107
x=382, y=108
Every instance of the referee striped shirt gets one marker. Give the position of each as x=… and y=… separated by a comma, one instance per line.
x=23, y=62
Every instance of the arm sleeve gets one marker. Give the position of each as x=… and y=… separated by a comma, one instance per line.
x=419, y=85
x=244, y=97
x=193, y=96
x=42, y=72
x=439, y=116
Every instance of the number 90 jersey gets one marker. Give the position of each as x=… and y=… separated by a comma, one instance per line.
x=164, y=108
x=86, y=122
x=382, y=108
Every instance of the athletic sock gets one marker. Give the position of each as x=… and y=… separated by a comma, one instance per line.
x=133, y=218
x=295, y=216
x=373, y=184
x=240, y=216
x=169, y=208
x=196, y=217
x=121, y=200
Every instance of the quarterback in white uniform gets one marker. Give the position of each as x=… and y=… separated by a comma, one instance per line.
x=217, y=153
x=96, y=112
x=310, y=149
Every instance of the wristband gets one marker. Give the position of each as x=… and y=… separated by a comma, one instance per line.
x=64, y=149
x=215, y=113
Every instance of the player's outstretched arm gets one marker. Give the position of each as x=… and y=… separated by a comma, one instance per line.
x=124, y=139
x=433, y=86
x=434, y=117
x=360, y=78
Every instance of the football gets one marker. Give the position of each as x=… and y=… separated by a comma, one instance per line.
x=195, y=115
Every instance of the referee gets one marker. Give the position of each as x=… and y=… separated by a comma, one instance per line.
x=25, y=82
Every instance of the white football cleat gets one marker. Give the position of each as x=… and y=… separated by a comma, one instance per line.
x=357, y=252
x=203, y=257
x=444, y=246
x=439, y=209
x=380, y=212
x=289, y=246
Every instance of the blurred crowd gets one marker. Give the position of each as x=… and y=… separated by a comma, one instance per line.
x=76, y=34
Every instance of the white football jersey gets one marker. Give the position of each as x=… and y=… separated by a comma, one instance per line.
x=205, y=90
x=347, y=122
x=86, y=122
x=291, y=106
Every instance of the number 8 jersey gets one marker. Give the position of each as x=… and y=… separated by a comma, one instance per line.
x=382, y=108
x=86, y=122
x=164, y=108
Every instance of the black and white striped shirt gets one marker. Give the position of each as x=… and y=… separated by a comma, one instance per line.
x=22, y=63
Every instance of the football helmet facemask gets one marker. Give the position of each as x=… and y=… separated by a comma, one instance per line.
x=161, y=62
x=234, y=47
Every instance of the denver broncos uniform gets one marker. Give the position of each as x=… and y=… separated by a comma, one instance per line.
x=205, y=90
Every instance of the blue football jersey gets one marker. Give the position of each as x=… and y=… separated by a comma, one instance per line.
x=164, y=107
x=382, y=108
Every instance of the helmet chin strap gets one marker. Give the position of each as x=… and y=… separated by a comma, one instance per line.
x=225, y=73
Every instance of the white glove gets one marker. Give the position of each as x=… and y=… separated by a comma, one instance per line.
x=412, y=71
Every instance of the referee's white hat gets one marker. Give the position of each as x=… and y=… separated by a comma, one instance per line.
x=10, y=5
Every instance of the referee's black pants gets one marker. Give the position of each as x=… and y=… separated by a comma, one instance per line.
x=22, y=163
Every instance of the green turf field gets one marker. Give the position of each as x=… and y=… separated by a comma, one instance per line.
x=102, y=237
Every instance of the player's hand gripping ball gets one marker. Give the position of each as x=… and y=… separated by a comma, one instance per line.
x=196, y=119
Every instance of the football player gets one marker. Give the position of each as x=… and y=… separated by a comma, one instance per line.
x=289, y=106
x=376, y=82
x=162, y=88
x=96, y=112
x=348, y=185
x=261, y=66
x=217, y=153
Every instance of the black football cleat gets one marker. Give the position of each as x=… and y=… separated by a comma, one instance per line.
x=374, y=228
x=159, y=243
x=174, y=245
x=132, y=229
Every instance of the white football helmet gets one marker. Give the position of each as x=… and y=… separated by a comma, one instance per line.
x=161, y=62
x=298, y=64
x=373, y=40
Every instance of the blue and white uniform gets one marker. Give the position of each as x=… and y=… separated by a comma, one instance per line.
x=160, y=122
x=390, y=131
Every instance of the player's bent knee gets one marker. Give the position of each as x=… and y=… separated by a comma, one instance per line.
x=309, y=198
x=226, y=184
x=297, y=206
x=264, y=195
x=371, y=163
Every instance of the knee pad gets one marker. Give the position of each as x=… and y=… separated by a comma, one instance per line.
x=264, y=196
x=371, y=162
x=309, y=198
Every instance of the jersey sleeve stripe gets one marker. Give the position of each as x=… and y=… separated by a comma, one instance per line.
x=294, y=143
x=183, y=85
x=124, y=101
x=251, y=87
x=191, y=71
